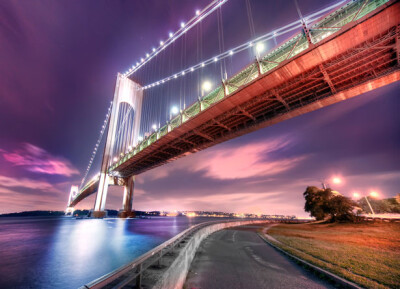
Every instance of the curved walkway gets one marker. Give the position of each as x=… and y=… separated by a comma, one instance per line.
x=239, y=258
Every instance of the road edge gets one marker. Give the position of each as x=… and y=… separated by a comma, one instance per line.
x=335, y=278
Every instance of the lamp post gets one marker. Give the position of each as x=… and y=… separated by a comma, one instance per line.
x=372, y=194
x=205, y=87
x=335, y=180
x=174, y=110
x=259, y=49
x=372, y=210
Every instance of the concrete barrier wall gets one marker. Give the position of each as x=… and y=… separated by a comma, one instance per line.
x=175, y=276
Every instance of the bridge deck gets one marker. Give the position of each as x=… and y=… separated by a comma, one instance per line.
x=363, y=55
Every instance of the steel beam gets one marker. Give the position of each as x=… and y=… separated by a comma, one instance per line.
x=280, y=99
x=218, y=123
x=244, y=112
x=398, y=44
x=327, y=78
x=203, y=135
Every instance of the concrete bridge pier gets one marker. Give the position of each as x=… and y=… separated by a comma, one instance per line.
x=126, y=211
x=100, y=203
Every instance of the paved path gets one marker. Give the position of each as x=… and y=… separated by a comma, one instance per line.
x=238, y=258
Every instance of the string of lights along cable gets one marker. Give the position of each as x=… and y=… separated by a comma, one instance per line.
x=173, y=36
x=96, y=147
x=257, y=43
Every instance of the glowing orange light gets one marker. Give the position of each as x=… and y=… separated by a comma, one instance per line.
x=374, y=194
x=336, y=180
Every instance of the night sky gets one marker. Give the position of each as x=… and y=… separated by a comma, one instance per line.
x=58, y=65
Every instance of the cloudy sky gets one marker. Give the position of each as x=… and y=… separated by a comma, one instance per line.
x=58, y=61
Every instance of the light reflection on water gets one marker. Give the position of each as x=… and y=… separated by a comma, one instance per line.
x=67, y=253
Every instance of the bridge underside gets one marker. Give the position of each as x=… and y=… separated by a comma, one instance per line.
x=89, y=190
x=359, y=58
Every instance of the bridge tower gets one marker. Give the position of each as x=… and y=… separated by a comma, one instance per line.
x=73, y=192
x=127, y=93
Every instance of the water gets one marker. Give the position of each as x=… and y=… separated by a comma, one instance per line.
x=68, y=253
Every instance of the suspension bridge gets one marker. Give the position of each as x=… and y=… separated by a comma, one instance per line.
x=339, y=52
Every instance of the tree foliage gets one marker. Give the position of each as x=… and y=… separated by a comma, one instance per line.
x=389, y=205
x=326, y=204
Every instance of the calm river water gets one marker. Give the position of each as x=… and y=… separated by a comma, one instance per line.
x=67, y=253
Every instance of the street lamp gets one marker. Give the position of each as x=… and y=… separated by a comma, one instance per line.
x=174, y=110
x=260, y=47
x=205, y=87
x=336, y=180
x=370, y=207
x=372, y=194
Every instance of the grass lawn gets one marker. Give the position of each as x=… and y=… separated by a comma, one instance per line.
x=366, y=254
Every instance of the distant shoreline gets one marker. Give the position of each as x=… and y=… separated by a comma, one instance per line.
x=111, y=213
x=35, y=214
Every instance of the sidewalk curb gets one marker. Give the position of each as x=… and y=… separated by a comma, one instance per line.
x=339, y=280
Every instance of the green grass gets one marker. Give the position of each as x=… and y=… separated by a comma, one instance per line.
x=367, y=254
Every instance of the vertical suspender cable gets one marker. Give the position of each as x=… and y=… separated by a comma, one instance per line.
x=221, y=41
x=251, y=25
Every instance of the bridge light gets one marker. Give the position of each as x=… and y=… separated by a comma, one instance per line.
x=154, y=127
x=251, y=44
x=260, y=47
x=206, y=86
x=161, y=43
x=374, y=194
x=147, y=55
x=183, y=72
x=356, y=195
x=202, y=65
x=231, y=52
x=115, y=159
x=175, y=76
x=215, y=59
x=129, y=148
x=197, y=12
x=182, y=24
x=140, y=138
x=171, y=34
x=192, y=69
x=174, y=110
x=141, y=59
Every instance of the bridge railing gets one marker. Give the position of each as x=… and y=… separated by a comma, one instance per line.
x=134, y=270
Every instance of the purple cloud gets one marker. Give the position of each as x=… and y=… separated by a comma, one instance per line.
x=35, y=159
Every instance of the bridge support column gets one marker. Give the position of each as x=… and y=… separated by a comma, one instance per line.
x=126, y=211
x=100, y=204
x=129, y=92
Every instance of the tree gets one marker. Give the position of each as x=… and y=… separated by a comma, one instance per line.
x=382, y=206
x=324, y=203
x=341, y=208
x=316, y=202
